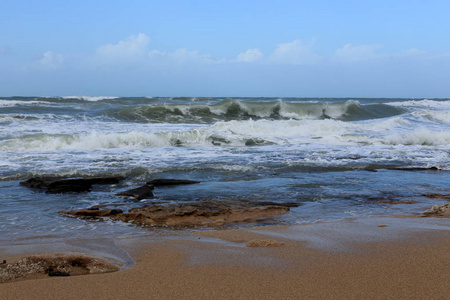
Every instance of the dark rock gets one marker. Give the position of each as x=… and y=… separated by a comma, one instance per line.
x=168, y=182
x=139, y=193
x=92, y=213
x=271, y=203
x=39, y=182
x=53, y=274
x=69, y=186
x=415, y=169
x=55, y=185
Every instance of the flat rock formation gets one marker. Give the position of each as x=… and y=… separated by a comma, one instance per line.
x=202, y=213
x=56, y=185
x=69, y=265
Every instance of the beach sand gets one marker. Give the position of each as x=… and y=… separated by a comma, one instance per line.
x=406, y=258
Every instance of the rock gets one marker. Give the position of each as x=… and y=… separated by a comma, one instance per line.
x=56, y=185
x=92, y=213
x=69, y=186
x=271, y=203
x=415, y=169
x=439, y=196
x=438, y=210
x=169, y=182
x=143, y=192
x=39, y=182
x=203, y=213
x=53, y=274
x=264, y=243
x=56, y=266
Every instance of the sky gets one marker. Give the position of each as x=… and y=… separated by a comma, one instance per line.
x=281, y=48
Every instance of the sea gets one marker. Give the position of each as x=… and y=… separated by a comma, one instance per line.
x=337, y=158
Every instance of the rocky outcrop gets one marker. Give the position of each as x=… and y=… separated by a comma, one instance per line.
x=56, y=185
x=69, y=265
x=438, y=210
x=203, y=213
x=143, y=192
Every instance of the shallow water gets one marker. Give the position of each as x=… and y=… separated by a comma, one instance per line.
x=319, y=153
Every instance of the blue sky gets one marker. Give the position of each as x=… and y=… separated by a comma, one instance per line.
x=225, y=48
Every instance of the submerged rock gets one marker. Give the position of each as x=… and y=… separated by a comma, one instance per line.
x=168, y=182
x=203, y=213
x=92, y=213
x=143, y=192
x=438, y=210
x=55, y=266
x=439, y=196
x=415, y=169
x=56, y=185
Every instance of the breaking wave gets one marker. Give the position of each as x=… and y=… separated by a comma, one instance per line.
x=231, y=109
x=90, y=98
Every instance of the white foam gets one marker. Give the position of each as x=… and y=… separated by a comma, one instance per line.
x=97, y=140
x=421, y=136
x=442, y=116
x=90, y=98
x=10, y=103
x=430, y=104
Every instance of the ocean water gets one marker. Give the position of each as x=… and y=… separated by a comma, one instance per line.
x=337, y=158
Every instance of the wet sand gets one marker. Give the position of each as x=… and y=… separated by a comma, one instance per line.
x=408, y=258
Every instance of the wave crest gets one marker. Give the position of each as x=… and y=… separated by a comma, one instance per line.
x=232, y=109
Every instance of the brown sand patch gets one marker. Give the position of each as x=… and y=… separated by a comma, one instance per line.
x=412, y=269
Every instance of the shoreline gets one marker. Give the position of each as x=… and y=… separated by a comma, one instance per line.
x=405, y=259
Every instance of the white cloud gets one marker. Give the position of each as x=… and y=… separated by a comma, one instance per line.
x=50, y=60
x=350, y=53
x=296, y=53
x=250, y=55
x=183, y=56
x=133, y=48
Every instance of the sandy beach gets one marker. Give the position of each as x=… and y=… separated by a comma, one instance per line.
x=371, y=258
